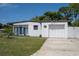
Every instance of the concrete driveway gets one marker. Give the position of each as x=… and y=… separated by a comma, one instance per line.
x=59, y=47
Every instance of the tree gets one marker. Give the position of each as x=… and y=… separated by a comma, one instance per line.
x=75, y=10
x=39, y=19
x=66, y=13
x=48, y=16
x=53, y=16
x=1, y=25
x=69, y=13
x=35, y=19
x=74, y=5
x=8, y=30
x=75, y=23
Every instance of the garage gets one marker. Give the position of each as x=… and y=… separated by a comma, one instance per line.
x=57, y=30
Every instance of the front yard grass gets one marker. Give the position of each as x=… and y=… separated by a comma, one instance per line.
x=20, y=46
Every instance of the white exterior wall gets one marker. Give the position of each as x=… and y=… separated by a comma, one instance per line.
x=69, y=32
x=73, y=32
x=45, y=31
x=31, y=30
x=41, y=30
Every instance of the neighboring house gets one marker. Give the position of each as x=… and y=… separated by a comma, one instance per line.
x=44, y=29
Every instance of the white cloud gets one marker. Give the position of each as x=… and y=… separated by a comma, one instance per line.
x=8, y=5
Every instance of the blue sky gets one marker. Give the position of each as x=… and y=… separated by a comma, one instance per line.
x=25, y=11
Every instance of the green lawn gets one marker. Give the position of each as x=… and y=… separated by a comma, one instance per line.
x=20, y=46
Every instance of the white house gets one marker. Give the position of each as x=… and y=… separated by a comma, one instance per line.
x=44, y=29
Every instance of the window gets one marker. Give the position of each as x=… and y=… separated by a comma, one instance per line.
x=20, y=30
x=45, y=26
x=35, y=27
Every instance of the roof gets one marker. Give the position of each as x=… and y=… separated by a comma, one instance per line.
x=18, y=22
x=35, y=21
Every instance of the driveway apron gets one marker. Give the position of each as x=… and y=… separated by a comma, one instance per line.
x=59, y=47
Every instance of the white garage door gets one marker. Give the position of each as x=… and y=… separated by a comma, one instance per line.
x=57, y=30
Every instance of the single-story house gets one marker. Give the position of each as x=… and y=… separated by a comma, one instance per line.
x=44, y=29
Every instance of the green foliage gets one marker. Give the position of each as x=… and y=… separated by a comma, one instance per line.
x=76, y=23
x=39, y=19
x=1, y=25
x=8, y=31
x=75, y=10
x=53, y=15
x=74, y=5
x=35, y=19
x=66, y=12
x=48, y=16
